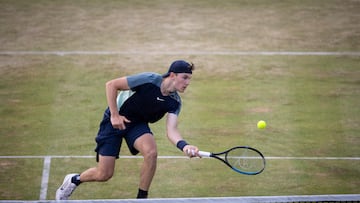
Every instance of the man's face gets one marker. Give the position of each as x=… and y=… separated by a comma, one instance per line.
x=181, y=81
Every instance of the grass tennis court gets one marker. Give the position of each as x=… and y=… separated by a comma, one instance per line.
x=51, y=104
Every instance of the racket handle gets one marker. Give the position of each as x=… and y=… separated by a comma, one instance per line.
x=204, y=154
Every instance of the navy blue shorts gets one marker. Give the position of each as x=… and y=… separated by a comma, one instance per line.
x=109, y=139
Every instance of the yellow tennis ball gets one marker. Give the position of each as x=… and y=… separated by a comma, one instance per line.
x=261, y=124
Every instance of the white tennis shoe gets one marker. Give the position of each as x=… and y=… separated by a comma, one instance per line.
x=66, y=189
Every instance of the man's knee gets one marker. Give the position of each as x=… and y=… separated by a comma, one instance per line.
x=150, y=154
x=103, y=176
x=147, y=147
x=105, y=169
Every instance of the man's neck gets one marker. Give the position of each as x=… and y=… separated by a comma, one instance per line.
x=166, y=87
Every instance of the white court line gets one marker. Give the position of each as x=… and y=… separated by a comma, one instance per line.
x=176, y=157
x=45, y=178
x=240, y=53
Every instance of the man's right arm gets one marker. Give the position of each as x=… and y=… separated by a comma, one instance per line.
x=112, y=88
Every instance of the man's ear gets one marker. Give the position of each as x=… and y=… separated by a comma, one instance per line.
x=172, y=75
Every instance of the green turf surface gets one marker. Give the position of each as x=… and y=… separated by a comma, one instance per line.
x=52, y=105
x=20, y=178
x=311, y=110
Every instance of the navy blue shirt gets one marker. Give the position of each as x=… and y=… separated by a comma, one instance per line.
x=145, y=102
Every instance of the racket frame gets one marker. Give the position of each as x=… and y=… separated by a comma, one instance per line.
x=217, y=156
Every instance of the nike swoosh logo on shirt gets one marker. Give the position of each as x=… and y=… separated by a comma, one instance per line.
x=159, y=99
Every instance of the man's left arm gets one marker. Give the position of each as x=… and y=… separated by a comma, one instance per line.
x=175, y=137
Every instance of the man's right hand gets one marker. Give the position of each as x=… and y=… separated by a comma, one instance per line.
x=118, y=121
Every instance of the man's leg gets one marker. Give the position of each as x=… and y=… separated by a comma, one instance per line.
x=102, y=172
x=147, y=147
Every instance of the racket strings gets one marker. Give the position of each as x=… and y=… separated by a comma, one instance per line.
x=245, y=160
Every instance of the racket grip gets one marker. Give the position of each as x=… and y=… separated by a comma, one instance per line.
x=204, y=154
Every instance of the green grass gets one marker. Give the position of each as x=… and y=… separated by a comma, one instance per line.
x=53, y=108
x=20, y=178
x=182, y=25
x=52, y=105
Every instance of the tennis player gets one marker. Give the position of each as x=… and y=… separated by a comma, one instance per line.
x=144, y=98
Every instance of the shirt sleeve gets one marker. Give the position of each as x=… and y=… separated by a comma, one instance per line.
x=177, y=111
x=143, y=78
x=176, y=97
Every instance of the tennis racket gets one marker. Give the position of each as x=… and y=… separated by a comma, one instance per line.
x=242, y=159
